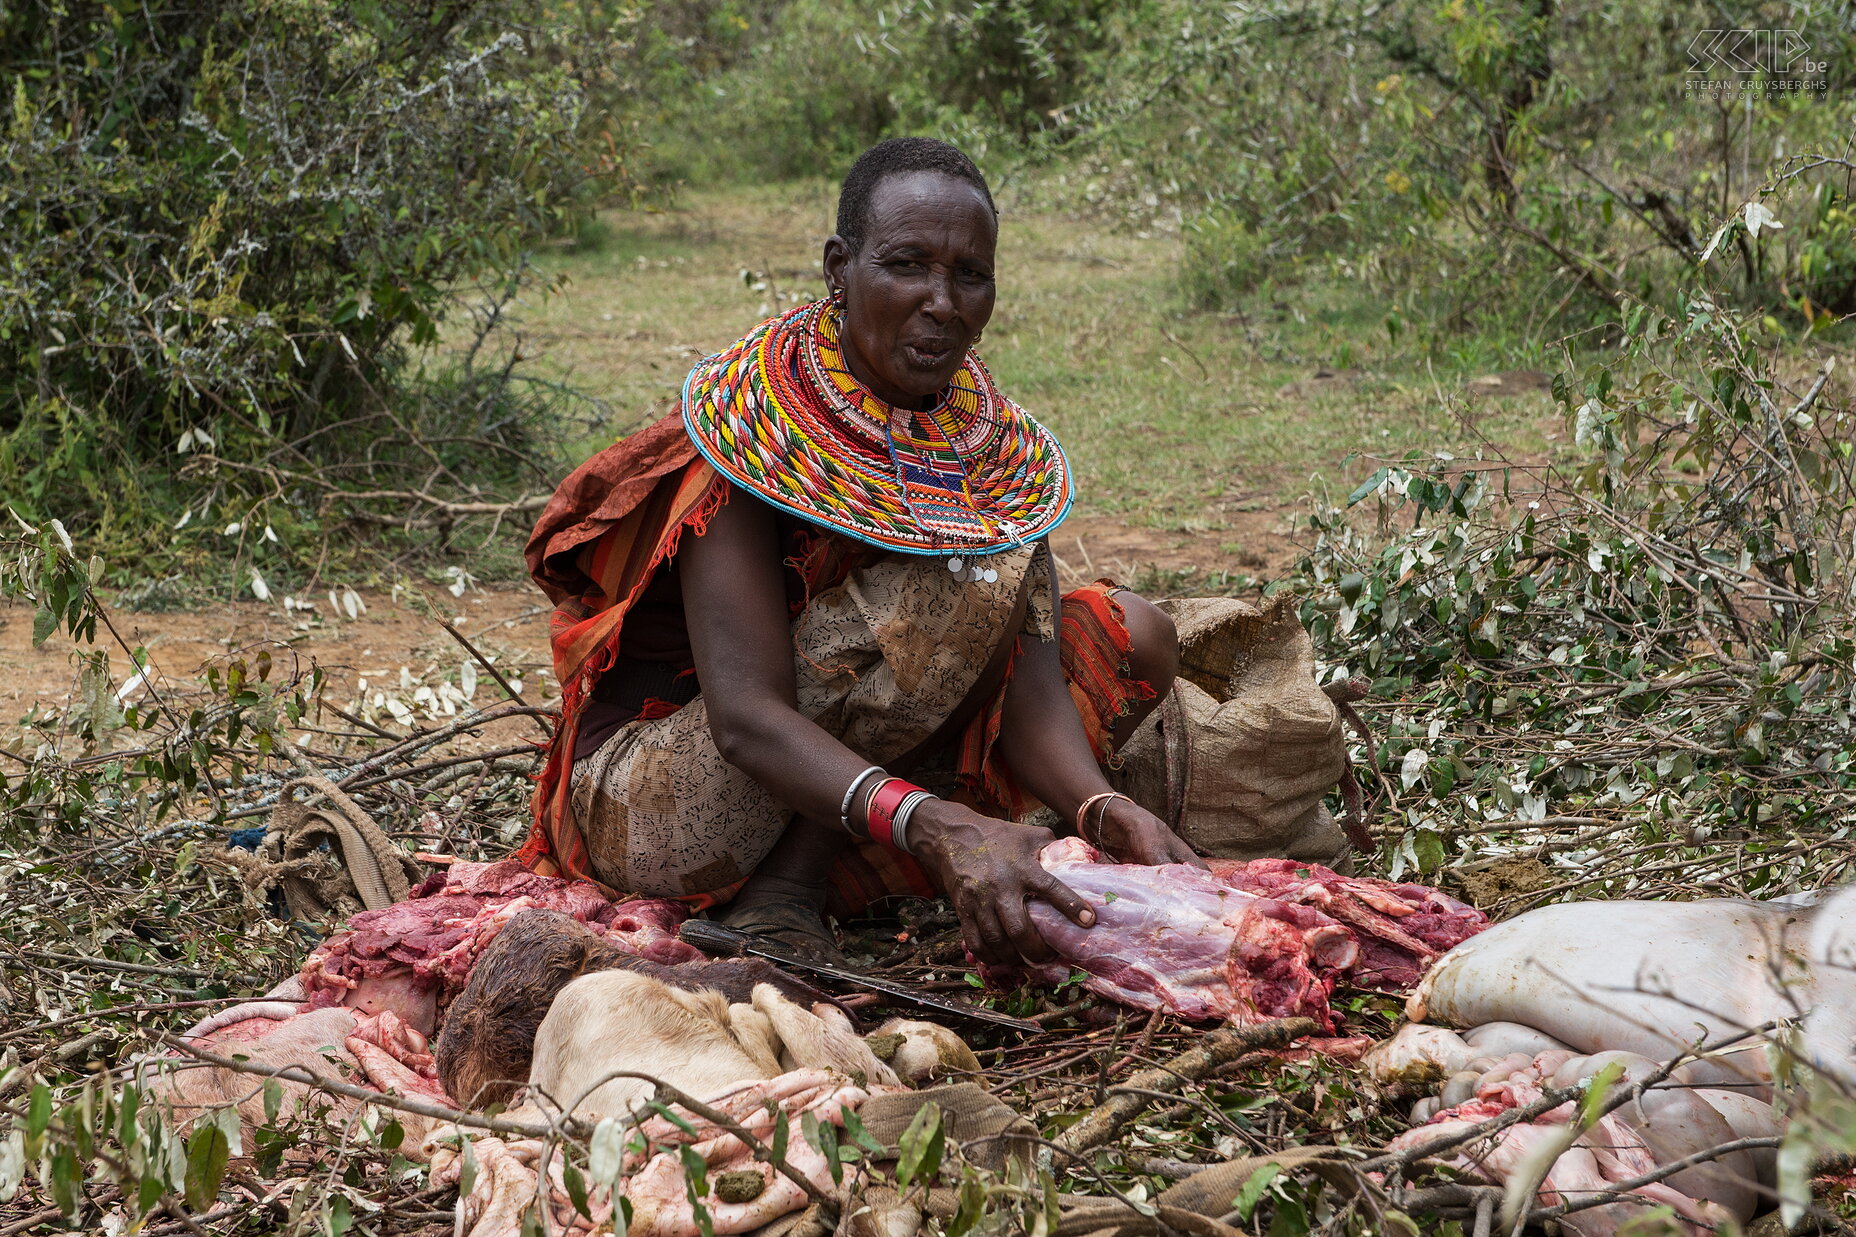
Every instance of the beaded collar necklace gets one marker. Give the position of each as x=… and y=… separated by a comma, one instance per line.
x=780, y=413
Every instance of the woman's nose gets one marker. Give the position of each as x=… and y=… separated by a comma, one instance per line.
x=939, y=303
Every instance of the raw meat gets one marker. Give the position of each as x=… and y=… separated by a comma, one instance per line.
x=1664, y=1125
x=413, y=957
x=1245, y=941
x=1400, y=927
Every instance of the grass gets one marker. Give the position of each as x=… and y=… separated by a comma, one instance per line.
x=1192, y=434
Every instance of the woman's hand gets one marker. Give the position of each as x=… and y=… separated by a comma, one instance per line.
x=989, y=869
x=1126, y=831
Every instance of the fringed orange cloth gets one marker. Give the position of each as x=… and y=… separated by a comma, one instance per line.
x=610, y=525
x=619, y=518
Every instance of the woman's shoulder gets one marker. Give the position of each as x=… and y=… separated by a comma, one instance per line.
x=607, y=488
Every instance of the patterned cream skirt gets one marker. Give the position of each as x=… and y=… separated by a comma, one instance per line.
x=880, y=661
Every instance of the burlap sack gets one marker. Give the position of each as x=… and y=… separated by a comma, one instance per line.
x=1240, y=756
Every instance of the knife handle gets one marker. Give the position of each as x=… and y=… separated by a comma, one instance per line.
x=714, y=938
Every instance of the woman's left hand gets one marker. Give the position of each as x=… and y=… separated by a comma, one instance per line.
x=1128, y=832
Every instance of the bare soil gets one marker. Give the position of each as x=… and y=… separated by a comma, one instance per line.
x=397, y=639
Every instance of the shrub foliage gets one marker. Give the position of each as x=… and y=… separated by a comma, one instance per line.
x=226, y=224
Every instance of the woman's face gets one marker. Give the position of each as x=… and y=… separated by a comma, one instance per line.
x=920, y=290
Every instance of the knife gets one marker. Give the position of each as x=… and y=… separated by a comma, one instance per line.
x=721, y=940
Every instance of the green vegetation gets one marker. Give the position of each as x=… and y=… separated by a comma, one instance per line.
x=229, y=233
x=262, y=260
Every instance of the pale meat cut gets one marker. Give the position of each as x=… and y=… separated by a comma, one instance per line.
x=1672, y=1123
x=1243, y=942
x=413, y=957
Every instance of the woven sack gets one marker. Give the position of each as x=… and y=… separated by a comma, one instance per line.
x=1242, y=753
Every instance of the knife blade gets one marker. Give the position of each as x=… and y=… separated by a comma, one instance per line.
x=720, y=939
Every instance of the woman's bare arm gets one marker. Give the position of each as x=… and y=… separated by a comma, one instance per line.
x=735, y=604
x=1042, y=740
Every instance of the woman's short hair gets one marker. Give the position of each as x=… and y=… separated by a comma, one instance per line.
x=898, y=156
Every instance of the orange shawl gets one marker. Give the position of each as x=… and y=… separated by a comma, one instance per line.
x=609, y=526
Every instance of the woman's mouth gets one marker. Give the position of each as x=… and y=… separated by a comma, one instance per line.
x=926, y=356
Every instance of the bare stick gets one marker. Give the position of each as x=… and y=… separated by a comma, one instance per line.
x=573, y=1127
x=1599, y=1198
x=1101, y=1123
x=418, y=1107
x=667, y=1094
x=492, y=671
x=136, y=968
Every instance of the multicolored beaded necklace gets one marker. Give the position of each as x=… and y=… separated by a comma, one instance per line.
x=780, y=413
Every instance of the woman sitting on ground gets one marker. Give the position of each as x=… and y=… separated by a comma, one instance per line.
x=805, y=629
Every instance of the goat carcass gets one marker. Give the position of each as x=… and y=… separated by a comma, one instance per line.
x=488, y=1039
x=1567, y=990
x=730, y=1055
x=1654, y=978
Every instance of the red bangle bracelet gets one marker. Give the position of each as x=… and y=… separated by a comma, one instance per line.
x=880, y=814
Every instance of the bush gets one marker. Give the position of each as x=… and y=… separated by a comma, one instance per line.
x=227, y=224
x=1435, y=148
x=795, y=88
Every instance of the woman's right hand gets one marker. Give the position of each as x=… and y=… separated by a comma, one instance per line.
x=989, y=869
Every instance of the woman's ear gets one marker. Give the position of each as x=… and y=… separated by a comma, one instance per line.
x=837, y=263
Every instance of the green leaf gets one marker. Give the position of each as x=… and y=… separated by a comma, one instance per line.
x=671, y=1115
x=826, y=1140
x=1368, y=486
x=65, y=1177
x=1252, y=1191
x=696, y=1186
x=148, y=1194
x=38, y=1117
x=44, y=623
x=207, y=1150
x=859, y=1134
x=695, y=1171
x=338, y=1219
x=1592, y=1107
x=972, y=1205
x=1427, y=847
x=467, y=1174
x=1290, y=1220
x=1795, y=1154
x=922, y=1146
x=576, y=1189
x=782, y=1130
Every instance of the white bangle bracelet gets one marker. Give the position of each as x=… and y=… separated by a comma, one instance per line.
x=899, y=832
x=844, y=809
